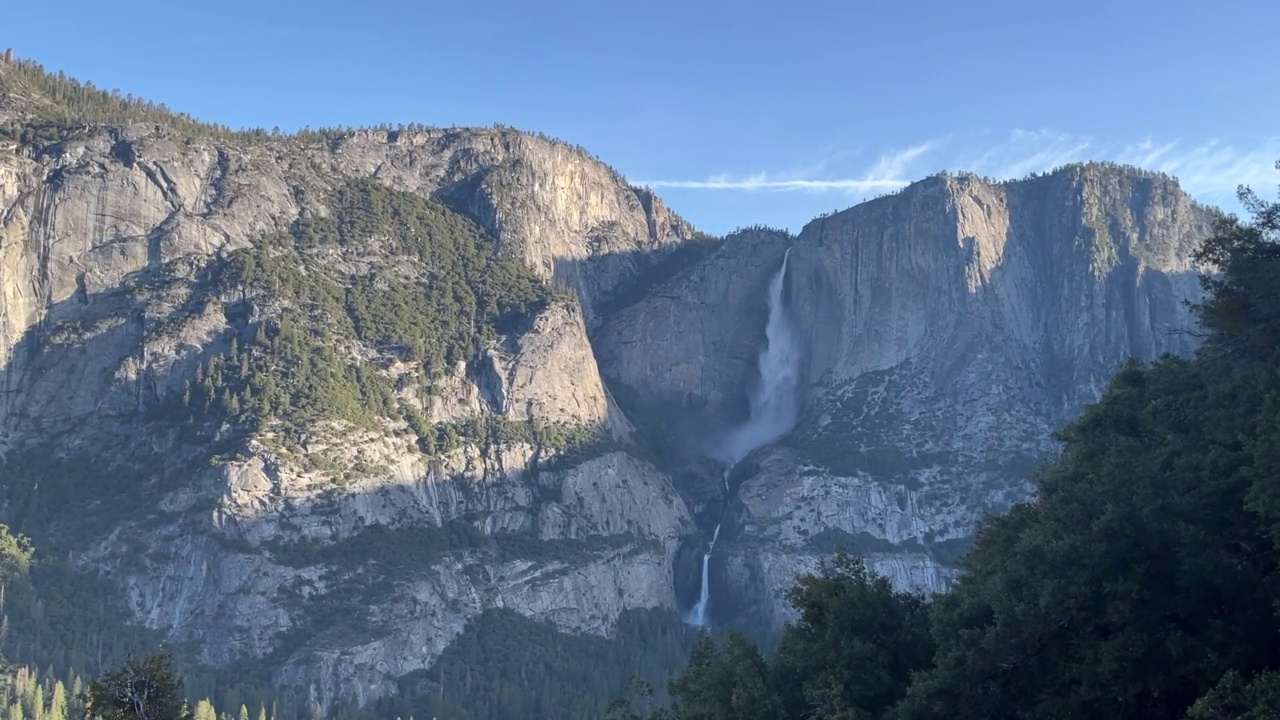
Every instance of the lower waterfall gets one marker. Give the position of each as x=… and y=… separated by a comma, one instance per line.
x=774, y=407
x=699, y=615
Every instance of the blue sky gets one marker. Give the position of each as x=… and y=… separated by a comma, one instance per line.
x=736, y=112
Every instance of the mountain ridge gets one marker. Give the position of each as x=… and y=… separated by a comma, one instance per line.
x=254, y=364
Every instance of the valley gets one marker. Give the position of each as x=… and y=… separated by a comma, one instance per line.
x=328, y=413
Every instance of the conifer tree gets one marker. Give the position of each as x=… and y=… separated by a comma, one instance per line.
x=58, y=705
x=205, y=711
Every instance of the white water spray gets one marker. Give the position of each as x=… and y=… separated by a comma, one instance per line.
x=774, y=407
x=774, y=402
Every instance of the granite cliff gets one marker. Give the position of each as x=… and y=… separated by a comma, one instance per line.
x=949, y=329
x=158, y=280
x=215, y=351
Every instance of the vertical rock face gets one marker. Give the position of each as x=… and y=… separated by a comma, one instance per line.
x=93, y=210
x=1072, y=272
x=947, y=329
x=566, y=215
x=951, y=328
x=691, y=342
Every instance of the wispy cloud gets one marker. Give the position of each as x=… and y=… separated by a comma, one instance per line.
x=890, y=172
x=1209, y=169
x=763, y=182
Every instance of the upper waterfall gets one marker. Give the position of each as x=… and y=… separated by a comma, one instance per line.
x=774, y=402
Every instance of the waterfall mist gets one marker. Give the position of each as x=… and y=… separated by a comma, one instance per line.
x=774, y=403
x=774, y=408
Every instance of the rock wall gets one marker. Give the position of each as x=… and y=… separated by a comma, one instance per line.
x=951, y=329
x=948, y=330
x=107, y=238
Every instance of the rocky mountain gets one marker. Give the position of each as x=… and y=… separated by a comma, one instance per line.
x=325, y=399
x=948, y=330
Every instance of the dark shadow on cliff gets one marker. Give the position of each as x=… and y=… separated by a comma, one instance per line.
x=680, y=427
x=107, y=448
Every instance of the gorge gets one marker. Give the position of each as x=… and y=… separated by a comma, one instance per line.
x=322, y=409
x=774, y=406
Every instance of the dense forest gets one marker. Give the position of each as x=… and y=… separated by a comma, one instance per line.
x=1141, y=582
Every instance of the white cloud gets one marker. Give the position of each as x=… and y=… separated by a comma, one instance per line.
x=1208, y=169
x=889, y=173
x=763, y=182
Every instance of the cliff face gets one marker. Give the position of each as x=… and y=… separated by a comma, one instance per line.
x=950, y=329
x=692, y=341
x=946, y=331
x=1072, y=272
x=112, y=243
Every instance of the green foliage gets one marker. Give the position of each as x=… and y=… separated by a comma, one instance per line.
x=389, y=272
x=145, y=689
x=1144, y=571
x=855, y=646
x=507, y=666
x=55, y=615
x=1234, y=699
x=25, y=693
x=849, y=656
x=68, y=104
x=564, y=445
x=726, y=682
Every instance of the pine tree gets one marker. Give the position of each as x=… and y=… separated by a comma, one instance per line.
x=205, y=711
x=244, y=713
x=58, y=706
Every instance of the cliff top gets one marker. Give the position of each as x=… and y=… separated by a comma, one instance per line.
x=1077, y=175
x=31, y=94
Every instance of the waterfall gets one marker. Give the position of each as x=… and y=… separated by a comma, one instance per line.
x=774, y=407
x=699, y=615
x=774, y=401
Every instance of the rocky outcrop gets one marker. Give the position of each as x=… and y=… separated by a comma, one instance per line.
x=948, y=330
x=951, y=328
x=83, y=216
x=110, y=238
x=1071, y=272
x=541, y=375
